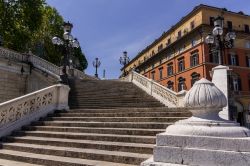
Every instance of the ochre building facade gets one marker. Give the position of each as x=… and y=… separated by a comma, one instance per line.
x=180, y=56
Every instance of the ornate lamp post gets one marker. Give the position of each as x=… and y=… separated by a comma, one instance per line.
x=219, y=42
x=67, y=42
x=96, y=64
x=123, y=61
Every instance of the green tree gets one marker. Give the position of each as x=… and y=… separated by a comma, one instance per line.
x=20, y=20
x=83, y=63
x=30, y=25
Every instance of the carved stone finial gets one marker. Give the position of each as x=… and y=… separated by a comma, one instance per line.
x=205, y=94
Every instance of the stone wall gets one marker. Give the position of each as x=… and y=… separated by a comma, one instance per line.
x=38, y=80
x=12, y=81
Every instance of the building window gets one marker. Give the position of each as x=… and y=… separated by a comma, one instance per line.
x=160, y=47
x=181, y=65
x=192, y=25
x=195, y=77
x=194, y=59
x=211, y=21
x=170, y=69
x=229, y=25
x=179, y=35
x=181, y=84
x=235, y=82
x=233, y=59
x=247, y=45
x=169, y=41
x=194, y=42
x=161, y=73
x=152, y=66
x=248, y=61
x=153, y=75
x=160, y=61
x=246, y=28
x=249, y=82
x=170, y=85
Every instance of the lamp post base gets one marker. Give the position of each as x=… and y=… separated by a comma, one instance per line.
x=64, y=79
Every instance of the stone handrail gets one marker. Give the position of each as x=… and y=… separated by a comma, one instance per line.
x=39, y=63
x=161, y=93
x=12, y=55
x=43, y=64
x=82, y=75
x=21, y=111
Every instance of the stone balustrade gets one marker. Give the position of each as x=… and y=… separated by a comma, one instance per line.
x=40, y=63
x=21, y=111
x=161, y=93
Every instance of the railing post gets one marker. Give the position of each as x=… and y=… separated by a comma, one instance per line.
x=151, y=87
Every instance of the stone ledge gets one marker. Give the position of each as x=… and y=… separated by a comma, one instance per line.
x=211, y=143
x=150, y=162
x=204, y=157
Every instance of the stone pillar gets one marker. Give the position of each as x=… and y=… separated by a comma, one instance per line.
x=205, y=139
x=220, y=79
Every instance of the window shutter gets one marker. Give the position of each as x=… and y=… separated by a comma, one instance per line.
x=239, y=83
x=229, y=59
x=237, y=59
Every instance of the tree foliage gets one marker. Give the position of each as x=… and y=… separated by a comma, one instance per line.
x=30, y=25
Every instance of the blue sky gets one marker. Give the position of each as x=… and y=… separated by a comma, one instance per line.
x=106, y=28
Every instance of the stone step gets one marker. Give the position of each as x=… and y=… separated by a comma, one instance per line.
x=108, y=107
x=142, y=125
x=109, y=95
x=51, y=160
x=118, y=103
x=91, y=154
x=99, y=105
x=118, y=100
x=142, y=110
x=15, y=163
x=118, y=114
x=120, y=131
x=116, y=119
x=88, y=144
x=89, y=136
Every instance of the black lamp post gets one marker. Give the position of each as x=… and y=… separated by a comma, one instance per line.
x=1, y=40
x=96, y=64
x=219, y=42
x=124, y=60
x=67, y=42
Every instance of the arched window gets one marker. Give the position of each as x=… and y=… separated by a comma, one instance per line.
x=181, y=84
x=170, y=85
x=195, y=77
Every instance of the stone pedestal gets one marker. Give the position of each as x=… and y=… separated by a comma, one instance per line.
x=204, y=139
x=220, y=79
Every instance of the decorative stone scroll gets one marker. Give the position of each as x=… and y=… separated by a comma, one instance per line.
x=161, y=93
x=22, y=110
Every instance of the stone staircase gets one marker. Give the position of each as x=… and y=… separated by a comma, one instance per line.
x=110, y=123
